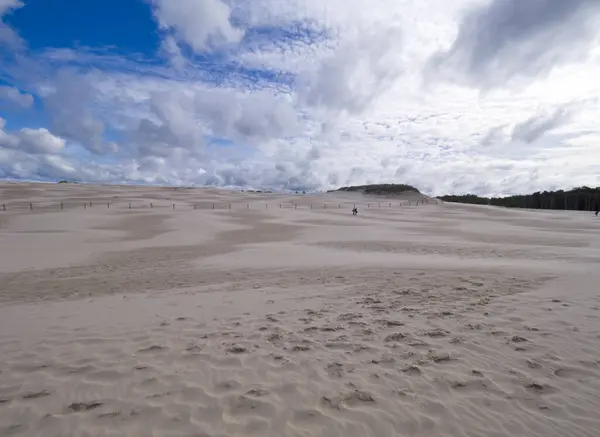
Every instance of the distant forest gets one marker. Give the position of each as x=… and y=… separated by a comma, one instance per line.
x=580, y=199
x=380, y=189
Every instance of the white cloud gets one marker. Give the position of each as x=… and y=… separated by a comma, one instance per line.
x=32, y=141
x=355, y=74
x=535, y=127
x=199, y=23
x=325, y=93
x=7, y=140
x=13, y=95
x=70, y=100
x=501, y=40
x=40, y=141
x=8, y=37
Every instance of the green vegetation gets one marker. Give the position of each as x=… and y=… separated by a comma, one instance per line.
x=467, y=198
x=580, y=199
x=380, y=189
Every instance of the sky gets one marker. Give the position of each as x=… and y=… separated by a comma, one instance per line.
x=491, y=97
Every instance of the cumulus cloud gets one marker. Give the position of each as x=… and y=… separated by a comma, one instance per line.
x=161, y=119
x=40, y=141
x=16, y=97
x=355, y=74
x=198, y=23
x=500, y=40
x=69, y=101
x=33, y=141
x=7, y=140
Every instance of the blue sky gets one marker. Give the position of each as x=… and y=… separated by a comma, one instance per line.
x=449, y=96
x=90, y=23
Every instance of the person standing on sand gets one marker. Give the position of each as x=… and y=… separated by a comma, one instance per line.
x=597, y=211
x=355, y=211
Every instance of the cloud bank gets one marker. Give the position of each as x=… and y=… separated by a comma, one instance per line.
x=490, y=97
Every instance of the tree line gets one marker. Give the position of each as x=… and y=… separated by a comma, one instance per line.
x=579, y=199
x=379, y=189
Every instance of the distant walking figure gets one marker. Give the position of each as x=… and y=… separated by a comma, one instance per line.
x=355, y=211
x=598, y=211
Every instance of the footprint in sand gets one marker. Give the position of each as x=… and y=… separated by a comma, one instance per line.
x=350, y=399
x=412, y=370
x=335, y=370
x=193, y=348
x=36, y=395
x=258, y=392
x=398, y=336
x=390, y=323
x=307, y=415
x=572, y=373
x=243, y=405
x=237, y=349
x=153, y=348
x=84, y=406
x=533, y=364
x=440, y=356
x=436, y=333
x=227, y=386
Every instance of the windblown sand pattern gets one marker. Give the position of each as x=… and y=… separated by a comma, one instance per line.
x=273, y=321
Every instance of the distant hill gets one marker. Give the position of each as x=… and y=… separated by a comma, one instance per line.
x=379, y=189
x=580, y=199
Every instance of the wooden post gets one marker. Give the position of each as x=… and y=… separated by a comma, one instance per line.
x=108, y=205
x=368, y=205
x=3, y=207
x=173, y=206
x=62, y=206
x=324, y=206
x=247, y=206
x=390, y=205
x=230, y=206
x=295, y=206
x=213, y=206
x=129, y=205
x=31, y=206
x=280, y=206
x=311, y=206
x=91, y=204
x=380, y=205
x=151, y=205
x=85, y=205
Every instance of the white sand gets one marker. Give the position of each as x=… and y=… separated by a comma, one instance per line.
x=436, y=320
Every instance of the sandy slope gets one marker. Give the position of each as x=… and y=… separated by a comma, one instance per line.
x=436, y=320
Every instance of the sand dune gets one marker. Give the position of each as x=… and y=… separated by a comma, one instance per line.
x=436, y=320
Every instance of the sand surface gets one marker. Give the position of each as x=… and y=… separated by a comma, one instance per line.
x=266, y=317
